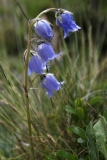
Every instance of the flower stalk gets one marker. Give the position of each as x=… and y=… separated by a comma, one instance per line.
x=27, y=92
x=43, y=12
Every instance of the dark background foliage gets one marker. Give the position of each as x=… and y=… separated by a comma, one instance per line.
x=13, y=28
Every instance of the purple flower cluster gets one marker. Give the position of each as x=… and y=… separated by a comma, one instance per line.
x=45, y=51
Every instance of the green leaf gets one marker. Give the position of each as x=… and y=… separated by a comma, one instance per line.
x=78, y=131
x=69, y=109
x=66, y=155
x=96, y=100
x=100, y=132
x=105, y=114
x=93, y=151
x=78, y=103
x=80, y=112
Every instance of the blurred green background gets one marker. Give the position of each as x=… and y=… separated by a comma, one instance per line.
x=89, y=14
x=13, y=26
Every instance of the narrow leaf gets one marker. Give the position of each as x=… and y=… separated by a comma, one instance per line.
x=66, y=155
x=69, y=109
x=78, y=131
x=80, y=112
x=105, y=114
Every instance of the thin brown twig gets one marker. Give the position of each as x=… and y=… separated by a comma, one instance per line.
x=22, y=10
x=82, y=151
x=92, y=108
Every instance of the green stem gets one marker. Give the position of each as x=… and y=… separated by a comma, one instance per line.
x=26, y=92
x=45, y=11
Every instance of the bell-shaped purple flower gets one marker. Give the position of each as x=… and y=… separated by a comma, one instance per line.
x=51, y=84
x=36, y=65
x=43, y=29
x=65, y=20
x=46, y=52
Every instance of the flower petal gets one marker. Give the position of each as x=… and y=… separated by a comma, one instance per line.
x=46, y=52
x=51, y=84
x=66, y=23
x=35, y=65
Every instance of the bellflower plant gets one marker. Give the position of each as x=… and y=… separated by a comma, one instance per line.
x=36, y=65
x=43, y=29
x=46, y=52
x=64, y=19
x=51, y=84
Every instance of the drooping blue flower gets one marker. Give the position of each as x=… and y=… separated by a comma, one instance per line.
x=43, y=29
x=46, y=52
x=51, y=84
x=36, y=65
x=65, y=20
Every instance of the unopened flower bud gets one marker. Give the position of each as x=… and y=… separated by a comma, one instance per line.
x=43, y=29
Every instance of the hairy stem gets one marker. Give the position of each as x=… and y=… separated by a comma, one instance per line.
x=45, y=11
x=26, y=91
